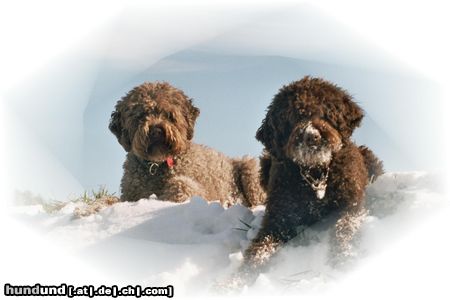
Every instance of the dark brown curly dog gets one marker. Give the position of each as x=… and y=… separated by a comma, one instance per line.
x=310, y=169
x=154, y=123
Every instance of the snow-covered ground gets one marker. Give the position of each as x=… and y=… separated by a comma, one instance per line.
x=194, y=244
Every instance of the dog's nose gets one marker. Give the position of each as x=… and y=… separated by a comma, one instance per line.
x=156, y=133
x=312, y=138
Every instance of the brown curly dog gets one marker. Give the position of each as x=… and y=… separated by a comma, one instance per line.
x=310, y=170
x=154, y=123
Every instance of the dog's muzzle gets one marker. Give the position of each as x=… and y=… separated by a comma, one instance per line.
x=312, y=137
x=156, y=133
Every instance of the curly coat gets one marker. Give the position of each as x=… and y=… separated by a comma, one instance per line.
x=154, y=123
x=292, y=203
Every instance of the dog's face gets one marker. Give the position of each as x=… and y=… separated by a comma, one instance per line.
x=312, y=143
x=309, y=120
x=154, y=121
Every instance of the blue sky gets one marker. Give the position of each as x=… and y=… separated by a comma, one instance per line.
x=232, y=76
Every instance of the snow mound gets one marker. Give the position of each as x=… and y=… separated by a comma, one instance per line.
x=193, y=244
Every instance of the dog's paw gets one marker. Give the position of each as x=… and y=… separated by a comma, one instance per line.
x=233, y=285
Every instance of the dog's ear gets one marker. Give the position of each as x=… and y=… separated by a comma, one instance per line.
x=194, y=112
x=356, y=115
x=121, y=134
x=265, y=133
x=353, y=116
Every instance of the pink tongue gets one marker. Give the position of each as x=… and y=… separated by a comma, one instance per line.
x=169, y=161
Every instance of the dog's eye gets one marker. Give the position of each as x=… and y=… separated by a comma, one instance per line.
x=170, y=117
x=141, y=115
x=151, y=112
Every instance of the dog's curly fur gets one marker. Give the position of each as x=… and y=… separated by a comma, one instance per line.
x=307, y=129
x=155, y=122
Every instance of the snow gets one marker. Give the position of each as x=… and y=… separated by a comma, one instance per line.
x=194, y=244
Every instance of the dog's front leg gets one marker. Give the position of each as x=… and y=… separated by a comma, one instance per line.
x=180, y=188
x=256, y=258
x=343, y=236
x=348, y=180
x=279, y=226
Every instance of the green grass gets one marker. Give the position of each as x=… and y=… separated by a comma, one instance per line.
x=93, y=198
